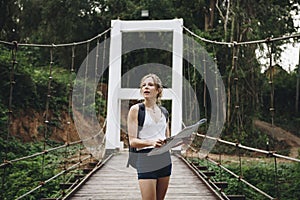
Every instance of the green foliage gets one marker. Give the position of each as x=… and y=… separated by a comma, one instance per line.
x=284, y=184
x=261, y=173
x=284, y=98
x=31, y=87
x=100, y=105
x=22, y=176
x=3, y=119
x=53, y=22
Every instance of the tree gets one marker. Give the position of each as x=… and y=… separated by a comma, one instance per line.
x=65, y=21
x=9, y=12
x=244, y=21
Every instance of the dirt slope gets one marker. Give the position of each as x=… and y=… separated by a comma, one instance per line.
x=280, y=134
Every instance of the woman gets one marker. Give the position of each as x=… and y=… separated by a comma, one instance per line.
x=153, y=171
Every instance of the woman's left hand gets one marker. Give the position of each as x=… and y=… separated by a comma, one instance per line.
x=158, y=143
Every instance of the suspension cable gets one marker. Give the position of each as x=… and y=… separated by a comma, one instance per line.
x=269, y=39
x=98, y=74
x=85, y=78
x=237, y=105
x=83, y=105
x=237, y=99
x=9, y=112
x=96, y=68
x=53, y=177
x=205, y=88
x=7, y=162
x=240, y=178
x=269, y=153
x=47, y=115
x=271, y=82
x=31, y=156
x=69, y=92
x=59, y=45
x=194, y=75
x=78, y=164
x=46, y=128
x=88, y=41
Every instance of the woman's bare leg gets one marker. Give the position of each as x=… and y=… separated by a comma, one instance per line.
x=162, y=187
x=148, y=188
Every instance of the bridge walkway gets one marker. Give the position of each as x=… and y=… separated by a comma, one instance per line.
x=115, y=181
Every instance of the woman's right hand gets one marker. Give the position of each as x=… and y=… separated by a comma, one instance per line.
x=158, y=143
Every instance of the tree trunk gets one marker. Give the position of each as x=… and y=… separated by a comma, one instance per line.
x=209, y=15
x=297, y=85
x=232, y=62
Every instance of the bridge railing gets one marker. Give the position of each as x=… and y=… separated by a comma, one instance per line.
x=70, y=164
x=217, y=160
x=68, y=161
x=42, y=182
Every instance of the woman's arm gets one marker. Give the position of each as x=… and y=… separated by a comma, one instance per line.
x=168, y=134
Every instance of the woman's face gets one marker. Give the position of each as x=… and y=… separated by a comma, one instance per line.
x=148, y=88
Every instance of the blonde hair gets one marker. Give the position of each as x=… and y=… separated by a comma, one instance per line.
x=157, y=83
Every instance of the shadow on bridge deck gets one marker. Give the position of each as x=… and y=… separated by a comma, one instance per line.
x=115, y=181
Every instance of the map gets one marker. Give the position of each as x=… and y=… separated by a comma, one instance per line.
x=178, y=139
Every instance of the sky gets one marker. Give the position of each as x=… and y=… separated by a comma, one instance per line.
x=288, y=60
x=289, y=57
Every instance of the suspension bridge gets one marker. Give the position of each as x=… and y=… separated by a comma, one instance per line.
x=94, y=166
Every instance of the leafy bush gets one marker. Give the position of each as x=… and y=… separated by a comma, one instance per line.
x=261, y=174
x=22, y=176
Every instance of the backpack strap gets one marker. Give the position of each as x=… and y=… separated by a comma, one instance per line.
x=141, y=117
x=165, y=112
x=132, y=150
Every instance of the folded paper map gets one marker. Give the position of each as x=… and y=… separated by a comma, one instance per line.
x=184, y=135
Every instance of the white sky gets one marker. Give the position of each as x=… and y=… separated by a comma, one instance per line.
x=288, y=60
x=289, y=57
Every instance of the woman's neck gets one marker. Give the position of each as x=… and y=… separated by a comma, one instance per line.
x=150, y=103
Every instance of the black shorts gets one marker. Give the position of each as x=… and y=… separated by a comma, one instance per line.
x=153, y=167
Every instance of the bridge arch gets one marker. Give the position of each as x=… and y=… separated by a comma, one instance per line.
x=115, y=91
